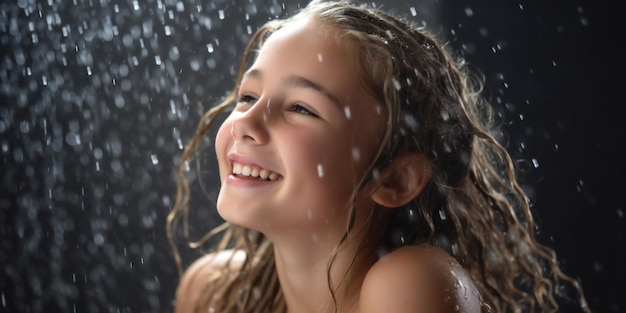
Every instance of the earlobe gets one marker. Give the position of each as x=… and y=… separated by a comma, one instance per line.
x=402, y=180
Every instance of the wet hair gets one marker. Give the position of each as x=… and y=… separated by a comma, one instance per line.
x=473, y=206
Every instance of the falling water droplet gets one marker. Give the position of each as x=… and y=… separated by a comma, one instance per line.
x=535, y=163
x=155, y=159
x=256, y=292
x=396, y=84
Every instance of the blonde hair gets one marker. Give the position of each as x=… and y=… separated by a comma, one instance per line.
x=473, y=207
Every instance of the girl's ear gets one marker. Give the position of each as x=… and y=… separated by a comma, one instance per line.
x=402, y=180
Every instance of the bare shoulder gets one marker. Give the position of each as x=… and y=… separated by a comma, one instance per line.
x=418, y=279
x=196, y=276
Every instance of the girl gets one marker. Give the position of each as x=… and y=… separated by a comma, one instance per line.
x=359, y=174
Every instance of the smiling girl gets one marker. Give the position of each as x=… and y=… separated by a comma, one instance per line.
x=359, y=174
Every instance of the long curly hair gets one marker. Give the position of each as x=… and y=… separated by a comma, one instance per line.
x=473, y=206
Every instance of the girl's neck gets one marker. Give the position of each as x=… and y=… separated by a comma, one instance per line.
x=303, y=274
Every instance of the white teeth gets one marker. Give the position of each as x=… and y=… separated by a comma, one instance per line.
x=264, y=174
x=236, y=169
x=247, y=171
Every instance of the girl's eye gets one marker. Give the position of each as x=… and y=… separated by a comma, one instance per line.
x=302, y=110
x=247, y=99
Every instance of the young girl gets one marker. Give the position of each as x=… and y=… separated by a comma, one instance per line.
x=359, y=174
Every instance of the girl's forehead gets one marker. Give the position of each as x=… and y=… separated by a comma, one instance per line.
x=308, y=45
x=307, y=31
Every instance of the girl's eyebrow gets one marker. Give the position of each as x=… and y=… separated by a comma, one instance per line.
x=298, y=81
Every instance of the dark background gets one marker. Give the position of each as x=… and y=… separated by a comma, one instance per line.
x=98, y=97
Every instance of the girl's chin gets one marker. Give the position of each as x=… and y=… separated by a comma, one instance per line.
x=240, y=216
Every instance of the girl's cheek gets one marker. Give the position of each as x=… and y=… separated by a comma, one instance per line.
x=221, y=138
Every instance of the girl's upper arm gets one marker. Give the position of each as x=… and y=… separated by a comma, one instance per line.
x=191, y=284
x=195, y=278
x=418, y=279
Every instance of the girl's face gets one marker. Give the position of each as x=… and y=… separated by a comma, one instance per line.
x=299, y=138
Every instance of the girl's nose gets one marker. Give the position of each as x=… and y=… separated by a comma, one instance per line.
x=251, y=125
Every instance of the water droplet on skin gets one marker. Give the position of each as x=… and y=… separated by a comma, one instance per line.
x=376, y=173
x=346, y=110
x=320, y=58
x=356, y=154
x=320, y=170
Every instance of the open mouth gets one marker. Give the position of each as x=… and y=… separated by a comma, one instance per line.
x=254, y=172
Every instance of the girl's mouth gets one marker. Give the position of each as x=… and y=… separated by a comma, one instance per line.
x=254, y=172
